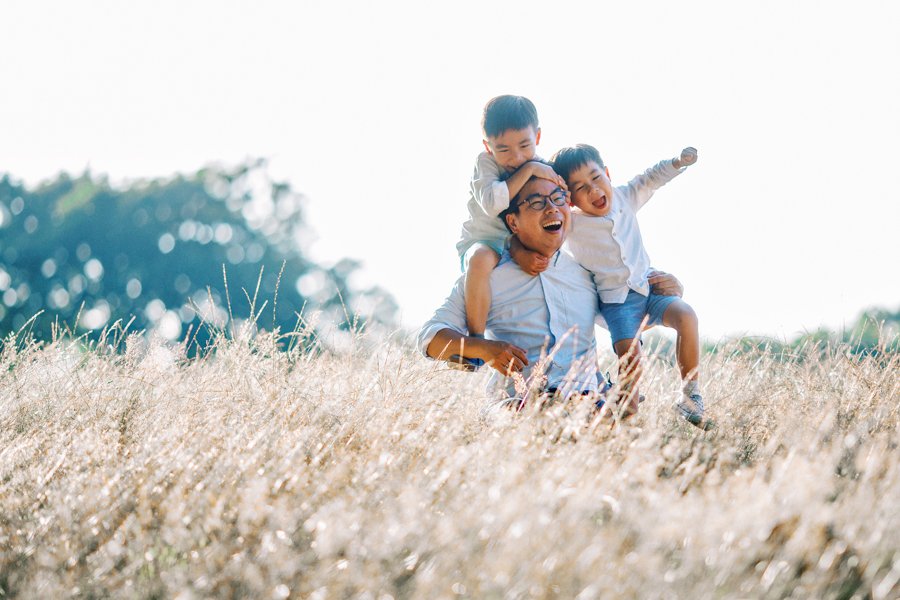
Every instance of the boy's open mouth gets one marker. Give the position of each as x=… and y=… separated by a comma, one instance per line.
x=601, y=203
x=552, y=225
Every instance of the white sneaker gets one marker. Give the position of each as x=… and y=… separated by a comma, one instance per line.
x=691, y=409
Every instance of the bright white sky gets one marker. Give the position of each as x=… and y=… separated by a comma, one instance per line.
x=372, y=109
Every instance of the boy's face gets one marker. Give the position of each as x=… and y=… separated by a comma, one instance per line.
x=591, y=189
x=514, y=147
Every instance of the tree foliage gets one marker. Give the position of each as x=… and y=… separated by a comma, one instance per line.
x=876, y=332
x=84, y=254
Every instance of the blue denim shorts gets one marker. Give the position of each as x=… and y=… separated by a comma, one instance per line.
x=624, y=320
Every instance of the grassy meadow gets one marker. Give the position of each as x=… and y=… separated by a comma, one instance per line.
x=261, y=471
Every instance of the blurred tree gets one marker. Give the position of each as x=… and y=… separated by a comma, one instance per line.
x=80, y=248
x=876, y=332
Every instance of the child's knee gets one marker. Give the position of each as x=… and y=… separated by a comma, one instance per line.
x=483, y=260
x=627, y=348
x=680, y=315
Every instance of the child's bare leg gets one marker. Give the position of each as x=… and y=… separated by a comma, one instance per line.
x=682, y=318
x=478, y=288
x=629, y=354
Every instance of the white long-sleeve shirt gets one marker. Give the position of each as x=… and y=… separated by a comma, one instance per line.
x=488, y=197
x=611, y=247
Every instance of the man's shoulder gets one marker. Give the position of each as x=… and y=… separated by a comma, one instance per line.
x=507, y=266
x=568, y=261
x=508, y=271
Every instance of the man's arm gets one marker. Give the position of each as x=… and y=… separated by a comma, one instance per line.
x=502, y=356
x=441, y=337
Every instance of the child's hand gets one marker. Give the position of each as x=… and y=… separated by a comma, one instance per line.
x=528, y=260
x=687, y=158
x=543, y=171
x=534, y=263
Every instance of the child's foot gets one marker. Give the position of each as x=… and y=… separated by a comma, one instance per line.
x=691, y=409
x=462, y=363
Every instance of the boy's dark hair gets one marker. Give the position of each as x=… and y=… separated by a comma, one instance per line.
x=508, y=112
x=569, y=159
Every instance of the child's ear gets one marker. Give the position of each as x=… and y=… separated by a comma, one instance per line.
x=487, y=147
x=537, y=136
x=607, y=172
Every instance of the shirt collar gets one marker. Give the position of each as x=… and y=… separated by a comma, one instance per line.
x=507, y=257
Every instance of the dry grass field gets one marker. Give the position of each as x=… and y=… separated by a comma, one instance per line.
x=371, y=472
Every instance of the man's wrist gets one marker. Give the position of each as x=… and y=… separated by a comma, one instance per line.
x=473, y=346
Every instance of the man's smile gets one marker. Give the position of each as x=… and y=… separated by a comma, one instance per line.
x=553, y=225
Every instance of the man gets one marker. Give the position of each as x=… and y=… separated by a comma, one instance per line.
x=539, y=327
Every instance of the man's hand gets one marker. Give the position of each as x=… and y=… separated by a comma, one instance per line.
x=502, y=356
x=665, y=284
x=539, y=169
x=528, y=260
x=687, y=158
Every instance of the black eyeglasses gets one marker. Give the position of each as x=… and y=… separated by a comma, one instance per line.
x=539, y=202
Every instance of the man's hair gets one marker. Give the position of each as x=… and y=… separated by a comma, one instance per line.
x=568, y=160
x=508, y=112
x=513, y=208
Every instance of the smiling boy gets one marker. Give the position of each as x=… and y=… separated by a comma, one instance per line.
x=606, y=240
x=511, y=135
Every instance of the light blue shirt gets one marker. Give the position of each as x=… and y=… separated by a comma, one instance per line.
x=550, y=316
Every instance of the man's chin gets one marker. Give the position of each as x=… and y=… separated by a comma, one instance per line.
x=547, y=243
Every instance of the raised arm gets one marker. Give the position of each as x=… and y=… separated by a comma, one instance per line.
x=639, y=190
x=687, y=157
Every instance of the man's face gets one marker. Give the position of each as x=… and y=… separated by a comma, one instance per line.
x=591, y=189
x=514, y=147
x=545, y=229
